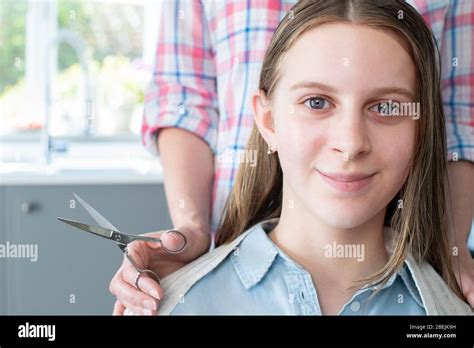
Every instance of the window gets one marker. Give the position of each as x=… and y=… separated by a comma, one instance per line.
x=84, y=63
x=12, y=61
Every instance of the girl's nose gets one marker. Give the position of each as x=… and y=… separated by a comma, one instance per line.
x=350, y=137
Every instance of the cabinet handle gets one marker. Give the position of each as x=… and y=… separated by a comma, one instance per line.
x=27, y=207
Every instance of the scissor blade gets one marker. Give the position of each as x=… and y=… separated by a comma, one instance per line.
x=100, y=231
x=102, y=221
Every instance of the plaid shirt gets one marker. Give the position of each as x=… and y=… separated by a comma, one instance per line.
x=208, y=61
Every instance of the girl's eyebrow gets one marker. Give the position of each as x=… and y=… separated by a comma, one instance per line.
x=312, y=85
x=377, y=91
x=394, y=90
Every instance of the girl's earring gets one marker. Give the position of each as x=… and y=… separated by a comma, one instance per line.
x=270, y=150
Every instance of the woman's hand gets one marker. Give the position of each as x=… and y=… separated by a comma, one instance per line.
x=461, y=187
x=466, y=270
x=150, y=255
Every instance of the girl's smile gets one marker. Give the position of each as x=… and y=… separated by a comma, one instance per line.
x=347, y=182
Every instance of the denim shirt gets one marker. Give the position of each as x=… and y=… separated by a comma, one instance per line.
x=259, y=278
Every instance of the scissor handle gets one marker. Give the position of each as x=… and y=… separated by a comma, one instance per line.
x=185, y=241
x=150, y=273
x=123, y=242
x=140, y=270
x=132, y=238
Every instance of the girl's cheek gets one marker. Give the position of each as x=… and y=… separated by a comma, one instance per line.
x=299, y=142
x=396, y=151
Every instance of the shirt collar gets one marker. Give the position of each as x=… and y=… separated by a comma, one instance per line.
x=404, y=275
x=255, y=254
x=408, y=277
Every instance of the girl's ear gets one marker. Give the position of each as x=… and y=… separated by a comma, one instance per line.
x=262, y=114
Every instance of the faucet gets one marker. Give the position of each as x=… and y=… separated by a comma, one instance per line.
x=77, y=44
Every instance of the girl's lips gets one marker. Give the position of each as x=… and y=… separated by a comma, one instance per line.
x=347, y=182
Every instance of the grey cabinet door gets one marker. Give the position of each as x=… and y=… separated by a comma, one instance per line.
x=73, y=268
x=2, y=260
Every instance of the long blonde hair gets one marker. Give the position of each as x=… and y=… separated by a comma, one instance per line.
x=421, y=225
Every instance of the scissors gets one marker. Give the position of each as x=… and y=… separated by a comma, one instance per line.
x=109, y=231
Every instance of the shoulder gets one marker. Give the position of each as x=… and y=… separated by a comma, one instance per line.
x=177, y=284
x=437, y=297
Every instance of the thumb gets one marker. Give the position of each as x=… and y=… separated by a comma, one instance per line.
x=169, y=240
x=154, y=245
x=173, y=241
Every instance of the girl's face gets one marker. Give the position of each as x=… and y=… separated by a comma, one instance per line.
x=329, y=125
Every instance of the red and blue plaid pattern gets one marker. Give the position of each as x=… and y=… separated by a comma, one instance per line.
x=208, y=60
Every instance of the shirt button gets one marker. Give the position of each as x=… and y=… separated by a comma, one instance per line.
x=355, y=306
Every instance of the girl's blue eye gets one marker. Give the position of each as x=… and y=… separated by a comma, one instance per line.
x=380, y=108
x=317, y=103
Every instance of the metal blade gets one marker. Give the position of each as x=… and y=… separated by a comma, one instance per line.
x=119, y=237
x=102, y=221
x=100, y=231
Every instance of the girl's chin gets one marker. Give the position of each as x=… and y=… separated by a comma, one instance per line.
x=345, y=215
x=345, y=225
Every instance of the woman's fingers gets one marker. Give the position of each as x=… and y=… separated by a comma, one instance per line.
x=464, y=272
x=119, y=308
x=134, y=299
x=128, y=294
x=144, y=300
x=470, y=298
x=138, y=310
x=153, y=245
x=143, y=257
x=146, y=284
x=196, y=242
